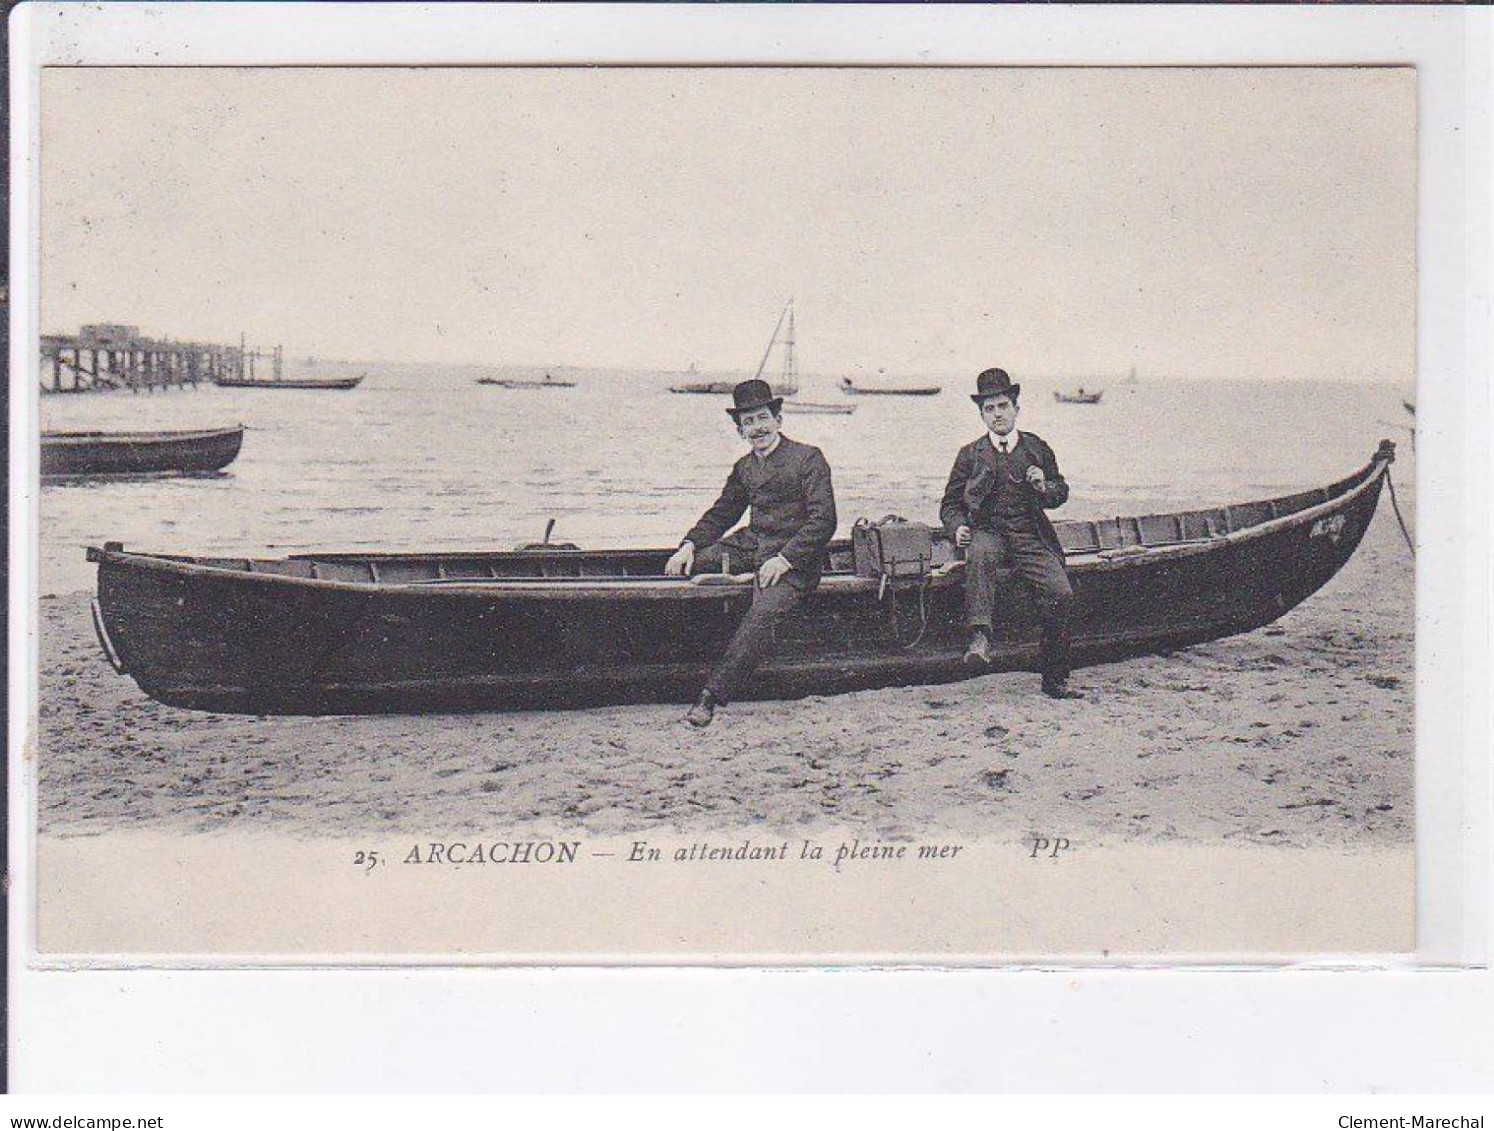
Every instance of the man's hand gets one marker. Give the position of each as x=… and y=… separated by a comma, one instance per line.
x=773, y=570
x=1036, y=478
x=683, y=559
x=962, y=536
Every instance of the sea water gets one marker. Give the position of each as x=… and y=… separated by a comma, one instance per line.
x=425, y=458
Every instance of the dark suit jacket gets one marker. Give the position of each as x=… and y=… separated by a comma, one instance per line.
x=793, y=507
x=974, y=477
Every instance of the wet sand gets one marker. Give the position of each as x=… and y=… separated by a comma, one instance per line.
x=1300, y=733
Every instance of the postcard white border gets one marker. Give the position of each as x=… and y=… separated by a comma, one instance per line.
x=143, y=1029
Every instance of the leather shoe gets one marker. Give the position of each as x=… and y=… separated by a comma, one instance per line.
x=703, y=712
x=979, y=652
x=1060, y=689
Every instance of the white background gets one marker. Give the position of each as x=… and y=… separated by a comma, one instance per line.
x=458, y=1030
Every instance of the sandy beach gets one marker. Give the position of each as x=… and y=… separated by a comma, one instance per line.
x=1300, y=733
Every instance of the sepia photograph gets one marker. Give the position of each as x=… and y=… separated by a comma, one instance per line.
x=705, y=514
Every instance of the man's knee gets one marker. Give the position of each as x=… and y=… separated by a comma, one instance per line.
x=1055, y=597
x=706, y=561
x=732, y=554
x=776, y=600
x=984, y=552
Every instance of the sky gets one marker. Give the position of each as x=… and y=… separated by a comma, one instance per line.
x=1189, y=222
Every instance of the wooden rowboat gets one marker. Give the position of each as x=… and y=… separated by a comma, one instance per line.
x=527, y=383
x=851, y=389
x=70, y=455
x=1081, y=397
x=291, y=383
x=545, y=627
x=814, y=408
x=724, y=388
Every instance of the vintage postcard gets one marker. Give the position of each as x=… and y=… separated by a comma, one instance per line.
x=751, y=515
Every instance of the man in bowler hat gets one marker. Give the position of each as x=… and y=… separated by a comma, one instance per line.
x=993, y=506
x=787, y=486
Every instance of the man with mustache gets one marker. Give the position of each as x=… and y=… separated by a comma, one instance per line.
x=787, y=486
x=993, y=506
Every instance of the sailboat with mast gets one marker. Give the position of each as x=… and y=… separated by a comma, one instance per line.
x=789, y=380
x=785, y=386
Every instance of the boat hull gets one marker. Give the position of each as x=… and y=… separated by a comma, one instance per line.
x=528, y=384
x=294, y=383
x=557, y=629
x=859, y=391
x=79, y=455
x=724, y=388
x=809, y=408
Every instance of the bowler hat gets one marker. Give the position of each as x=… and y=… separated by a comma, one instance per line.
x=754, y=394
x=995, y=383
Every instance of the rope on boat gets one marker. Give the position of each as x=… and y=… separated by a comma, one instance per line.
x=1396, y=506
x=923, y=614
x=924, y=581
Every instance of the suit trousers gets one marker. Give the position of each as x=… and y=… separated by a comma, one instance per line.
x=738, y=551
x=1036, y=567
x=754, y=636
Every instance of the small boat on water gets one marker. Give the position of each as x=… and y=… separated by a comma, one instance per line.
x=548, y=382
x=724, y=388
x=545, y=626
x=787, y=383
x=693, y=384
x=1080, y=397
x=73, y=455
x=290, y=382
x=851, y=389
x=814, y=408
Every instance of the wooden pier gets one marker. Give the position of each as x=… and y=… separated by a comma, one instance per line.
x=103, y=357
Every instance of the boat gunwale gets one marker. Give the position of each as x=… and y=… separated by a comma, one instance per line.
x=185, y=436
x=658, y=587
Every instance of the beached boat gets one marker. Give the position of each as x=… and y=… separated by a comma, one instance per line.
x=785, y=385
x=290, y=382
x=1080, y=397
x=851, y=389
x=69, y=455
x=548, y=627
x=548, y=382
x=814, y=408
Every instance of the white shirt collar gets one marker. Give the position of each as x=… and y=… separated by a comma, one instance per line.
x=778, y=439
x=1010, y=439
